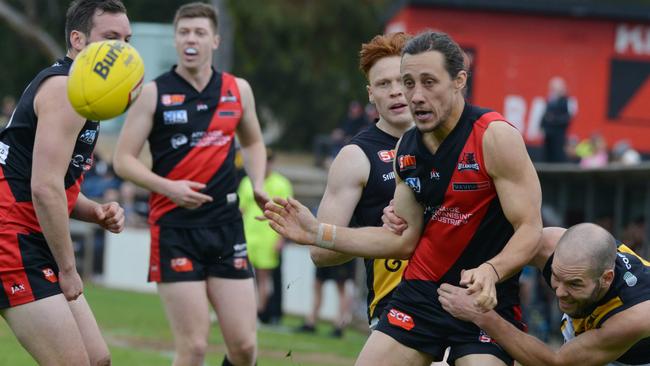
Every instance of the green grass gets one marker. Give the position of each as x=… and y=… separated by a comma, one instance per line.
x=136, y=330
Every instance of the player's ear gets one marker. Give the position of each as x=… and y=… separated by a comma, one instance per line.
x=461, y=80
x=216, y=41
x=607, y=278
x=371, y=98
x=78, y=40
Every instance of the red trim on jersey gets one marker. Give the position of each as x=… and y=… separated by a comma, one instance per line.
x=203, y=162
x=455, y=223
x=154, y=256
x=23, y=214
x=14, y=280
x=519, y=316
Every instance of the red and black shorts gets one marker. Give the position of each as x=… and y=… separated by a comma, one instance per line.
x=415, y=318
x=28, y=271
x=193, y=254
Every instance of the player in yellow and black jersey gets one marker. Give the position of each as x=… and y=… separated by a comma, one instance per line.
x=361, y=180
x=603, y=288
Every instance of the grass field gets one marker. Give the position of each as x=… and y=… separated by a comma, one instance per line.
x=136, y=330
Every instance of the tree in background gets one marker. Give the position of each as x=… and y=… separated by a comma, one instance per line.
x=300, y=56
x=302, y=59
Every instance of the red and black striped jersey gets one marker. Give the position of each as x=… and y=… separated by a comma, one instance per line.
x=193, y=139
x=464, y=224
x=16, y=154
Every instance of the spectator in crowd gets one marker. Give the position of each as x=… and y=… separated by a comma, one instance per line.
x=570, y=149
x=555, y=121
x=372, y=114
x=623, y=153
x=264, y=245
x=101, y=180
x=634, y=234
x=326, y=147
x=593, y=151
x=8, y=106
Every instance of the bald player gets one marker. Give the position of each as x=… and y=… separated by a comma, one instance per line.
x=601, y=285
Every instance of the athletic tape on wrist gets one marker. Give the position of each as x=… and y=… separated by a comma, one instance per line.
x=326, y=236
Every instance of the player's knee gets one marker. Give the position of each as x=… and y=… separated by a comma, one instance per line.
x=243, y=353
x=197, y=348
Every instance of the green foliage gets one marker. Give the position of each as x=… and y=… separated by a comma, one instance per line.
x=21, y=60
x=301, y=57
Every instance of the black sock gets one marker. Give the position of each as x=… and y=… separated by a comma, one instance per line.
x=226, y=362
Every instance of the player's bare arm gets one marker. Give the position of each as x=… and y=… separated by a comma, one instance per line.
x=345, y=182
x=250, y=138
x=293, y=220
x=520, y=195
x=550, y=237
x=56, y=135
x=593, y=347
x=109, y=215
x=136, y=129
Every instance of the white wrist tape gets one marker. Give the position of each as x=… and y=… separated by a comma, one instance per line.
x=326, y=236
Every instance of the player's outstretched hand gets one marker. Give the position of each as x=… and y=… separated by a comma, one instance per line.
x=481, y=280
x=71, y=284
x=391, y=221
x=110, y=216
x=185, y=193
x=292, y=220
x=457, y=302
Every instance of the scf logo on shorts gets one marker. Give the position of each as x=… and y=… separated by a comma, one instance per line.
x=399, y=319
x=49, y=275
x=182, y=265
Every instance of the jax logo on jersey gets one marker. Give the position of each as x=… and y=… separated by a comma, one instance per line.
x=468, y=162
x=17, y=288
x=414, y=183
x=387, y=156
x=434, y=174
x=400, y=319
x=169, y=100
x=406, y=162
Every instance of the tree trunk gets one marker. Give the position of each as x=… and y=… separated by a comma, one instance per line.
x=19, y=23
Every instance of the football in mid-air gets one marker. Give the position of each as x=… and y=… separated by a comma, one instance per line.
x=105, y=78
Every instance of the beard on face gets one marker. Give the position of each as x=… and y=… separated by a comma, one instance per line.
x=584, y=307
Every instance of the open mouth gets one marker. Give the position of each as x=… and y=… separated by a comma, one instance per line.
x=422, y=115
x=399, y=107
x=191, y=51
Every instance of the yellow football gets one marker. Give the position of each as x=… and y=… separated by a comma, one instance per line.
x=105, y=78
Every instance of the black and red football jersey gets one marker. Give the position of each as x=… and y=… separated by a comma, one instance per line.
x=16, y=149
x=464, y=224
x=193, y=139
